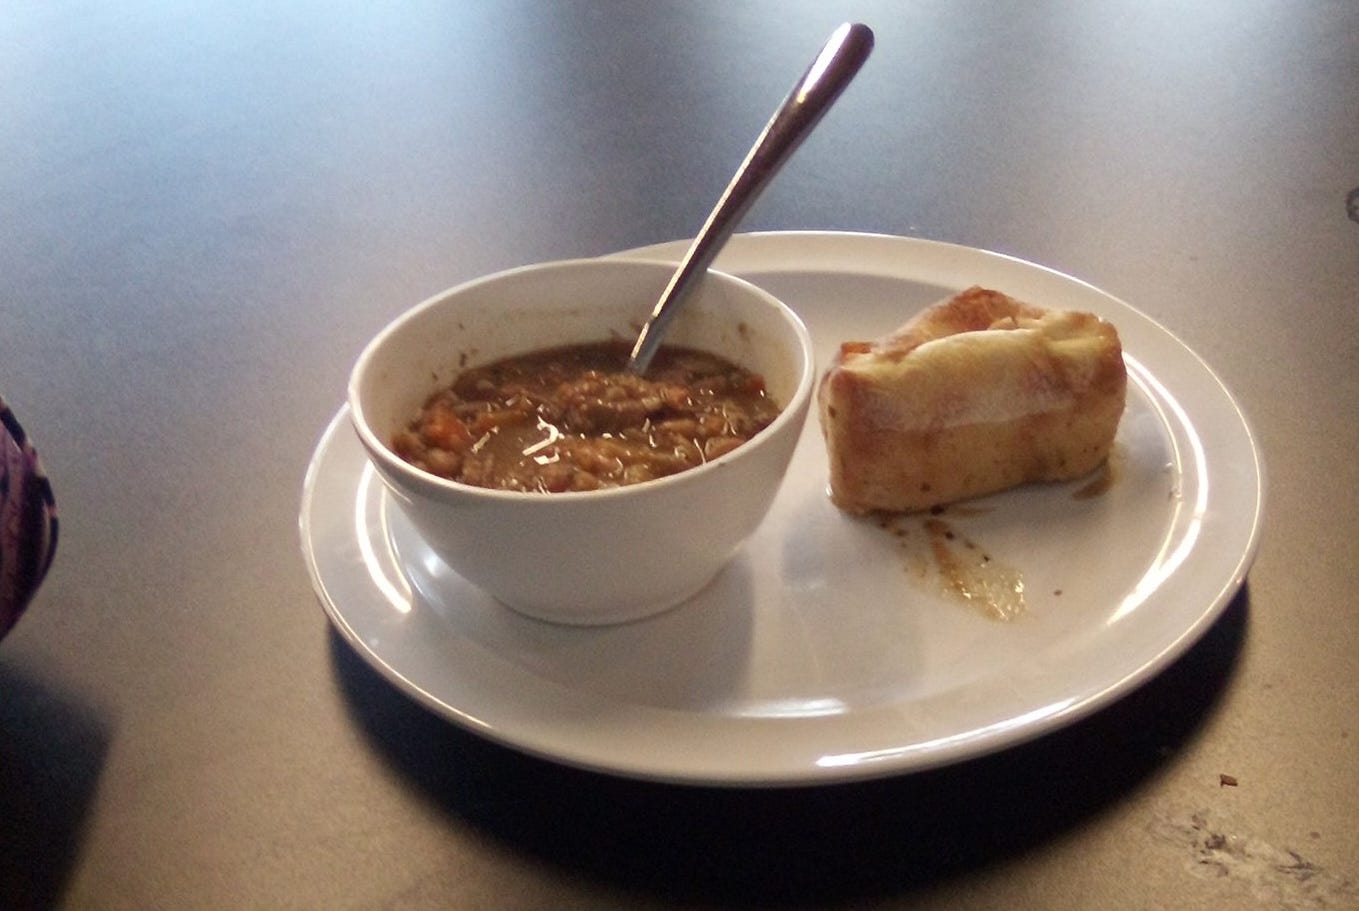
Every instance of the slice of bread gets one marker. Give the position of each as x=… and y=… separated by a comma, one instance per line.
x=975, y=394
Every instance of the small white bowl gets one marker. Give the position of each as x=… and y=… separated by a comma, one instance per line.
x=600, y=556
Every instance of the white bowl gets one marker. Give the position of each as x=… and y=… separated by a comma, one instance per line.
x=600, y=556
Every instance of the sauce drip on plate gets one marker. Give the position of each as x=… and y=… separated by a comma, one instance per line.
x=968, y=572
x=962, y=569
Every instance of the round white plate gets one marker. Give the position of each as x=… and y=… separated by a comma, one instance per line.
x=826, y=651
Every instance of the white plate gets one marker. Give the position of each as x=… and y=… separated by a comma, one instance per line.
x=822, y=653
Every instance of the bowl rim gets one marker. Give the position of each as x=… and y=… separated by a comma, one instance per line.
x=443, y=488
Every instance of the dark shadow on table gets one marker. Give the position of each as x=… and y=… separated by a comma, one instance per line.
x=52, y=752
x=805, y=844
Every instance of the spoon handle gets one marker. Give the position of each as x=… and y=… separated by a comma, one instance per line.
x=811, y=97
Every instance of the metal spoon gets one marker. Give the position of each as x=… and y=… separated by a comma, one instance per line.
x=800, y=112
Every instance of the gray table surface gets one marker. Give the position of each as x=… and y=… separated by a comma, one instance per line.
x=206, y=209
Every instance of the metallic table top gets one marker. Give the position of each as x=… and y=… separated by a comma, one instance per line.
x=206, y=210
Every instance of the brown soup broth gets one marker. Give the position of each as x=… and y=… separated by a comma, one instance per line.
x=573, y=418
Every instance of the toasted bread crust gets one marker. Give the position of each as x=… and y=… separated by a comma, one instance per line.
x=976, y=394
